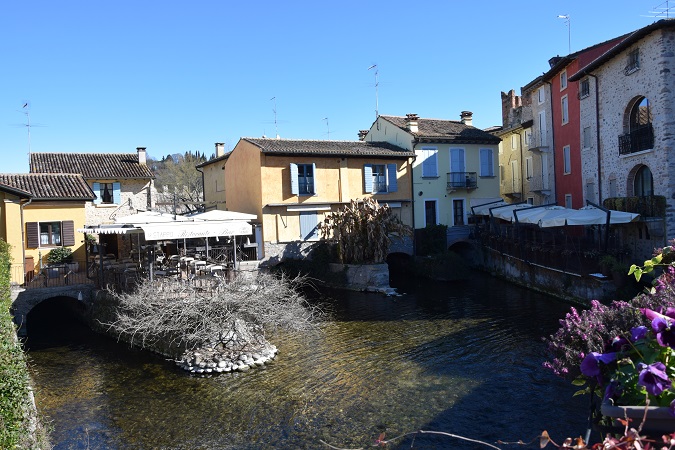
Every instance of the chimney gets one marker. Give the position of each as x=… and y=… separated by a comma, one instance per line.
x=141, y=155
x=466, y=118
x=362, y=134
x=220, y=149
x=411, y=122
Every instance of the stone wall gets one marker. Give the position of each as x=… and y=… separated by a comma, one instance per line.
x=134, y=198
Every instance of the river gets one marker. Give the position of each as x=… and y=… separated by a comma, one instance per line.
x=463, y=358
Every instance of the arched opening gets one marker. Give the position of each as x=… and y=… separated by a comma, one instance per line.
x=643, y=183
x=54, y=322
x=639, y=134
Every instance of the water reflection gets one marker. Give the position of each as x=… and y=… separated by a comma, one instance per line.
x=464, y=358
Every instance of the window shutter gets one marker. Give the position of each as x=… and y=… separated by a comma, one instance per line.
x=314, y=179
x=68, y=233
x=392, y=182
x=486, y=162
x=429, y=167
x=368, y=178
x=295, y=189
x=32, y=235
x=117, y=193
x=97, y=192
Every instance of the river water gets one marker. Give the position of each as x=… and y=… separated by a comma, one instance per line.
x=463, y=358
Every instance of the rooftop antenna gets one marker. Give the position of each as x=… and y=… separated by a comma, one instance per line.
x=661, y=11
x=276, y=128
x=377, y=114
x=566, y=17
x=327, y=127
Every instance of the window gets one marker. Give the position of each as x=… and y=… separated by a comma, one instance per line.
x=458, y=212
x=50, y=234
x=563, y=80
x=302, y=179
x=643, y=185
x=379, y=178
x=528, y=168
x=633, y=62
x=530, y=200
x=564, y=110
x=567, y=161
x=514, y=141
x=486, y=163
x=568, y=201
x=541, y=95
x=640, y=133
x=107, y=193
x=590, y=191
x=457, y=167
x=528, y=138
x=612, y=185
x=501, y=173
x=584, y=88
x=587, y=137
x=515, y=176
x=429, y=162
x=430, y=212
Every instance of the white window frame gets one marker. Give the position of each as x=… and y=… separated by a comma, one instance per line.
x=564, y=109
x=529, y=168
x=541, y=95
x=567, y=160
x=563, y=80
x=584, y=88
x=514, y=141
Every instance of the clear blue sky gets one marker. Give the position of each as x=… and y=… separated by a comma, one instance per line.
x=176, y=76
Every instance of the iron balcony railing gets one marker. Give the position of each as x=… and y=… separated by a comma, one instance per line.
x=462, y=180
x=637, y=140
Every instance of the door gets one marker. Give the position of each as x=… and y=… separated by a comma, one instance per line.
x=430, y=217
x=457, y=167
x=308, y=225
x=542, y=128
x=458, y=212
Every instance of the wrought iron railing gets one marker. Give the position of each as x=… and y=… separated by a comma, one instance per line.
x=637, y=140
x=462, y=180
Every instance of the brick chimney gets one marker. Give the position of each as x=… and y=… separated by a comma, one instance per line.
x=141, y=155
x=466, y=118
x=411, y=122
x=510, y=103
x=220, y=149
x=362, y=134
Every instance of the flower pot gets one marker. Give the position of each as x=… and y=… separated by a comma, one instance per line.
x=659, y=419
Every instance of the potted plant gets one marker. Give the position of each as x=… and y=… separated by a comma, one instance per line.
x=624, y=352
x=62, y=256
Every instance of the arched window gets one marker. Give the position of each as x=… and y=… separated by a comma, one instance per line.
x=639, y=132
x=643, y=185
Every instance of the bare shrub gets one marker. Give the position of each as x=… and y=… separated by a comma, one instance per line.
x=171, y=313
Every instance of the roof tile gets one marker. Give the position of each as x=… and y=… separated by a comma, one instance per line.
x=107, y=166
x=341, y=148
x=443, y=130
x=46, y=186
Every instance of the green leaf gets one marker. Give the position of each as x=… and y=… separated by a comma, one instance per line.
x=579, y=381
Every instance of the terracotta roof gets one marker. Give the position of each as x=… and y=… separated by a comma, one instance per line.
x=107, y=166
x=621, y=46
x=445, y=130
x=332, y=148
x=14, y=191
x=47, y=186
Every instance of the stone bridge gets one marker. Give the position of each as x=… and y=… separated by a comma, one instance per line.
x=23, y=301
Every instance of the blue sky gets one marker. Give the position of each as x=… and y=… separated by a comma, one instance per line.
x=177, y=76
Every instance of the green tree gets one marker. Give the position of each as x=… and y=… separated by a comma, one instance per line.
x=178, y=180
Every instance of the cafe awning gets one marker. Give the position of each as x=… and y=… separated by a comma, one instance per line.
x=187, y=230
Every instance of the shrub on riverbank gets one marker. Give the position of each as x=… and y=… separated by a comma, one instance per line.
x=172, y=315
x=18, y=424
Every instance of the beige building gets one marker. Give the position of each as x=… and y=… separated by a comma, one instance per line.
x=455, y=165
x=291, y=185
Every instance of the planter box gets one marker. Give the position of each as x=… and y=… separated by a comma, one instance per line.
x=658, y=421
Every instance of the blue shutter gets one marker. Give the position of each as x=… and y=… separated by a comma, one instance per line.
x=314, y=180
x=97, y=192
x=295, y=190
x=117, y=193
x=309, y=220
x=486, y=162
x=368, y=178
x=429, y=165
x=392, y=182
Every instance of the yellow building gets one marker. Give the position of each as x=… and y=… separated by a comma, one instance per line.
x=455, y=166
x=40, y=212
x=291, y=185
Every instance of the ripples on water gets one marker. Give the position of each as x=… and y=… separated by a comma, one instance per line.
x=463, y=358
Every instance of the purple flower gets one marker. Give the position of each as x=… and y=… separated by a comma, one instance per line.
x=662, y=324
x=638, y=333
x=613, y=390
x=653, y=377
x=590, y=366
x=618, y=343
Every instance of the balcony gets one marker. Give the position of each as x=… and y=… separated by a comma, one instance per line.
x=537, y=141
x=649, y=206
x=537, y=183
x=462, y=180
x=637, y=140
x=510, y=189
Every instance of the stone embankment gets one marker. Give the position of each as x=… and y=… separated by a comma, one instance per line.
x=213, y=360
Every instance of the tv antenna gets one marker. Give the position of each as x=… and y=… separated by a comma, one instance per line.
x=276, y=128
x=25, y=109
x=327, y=127
x=567, y=19
x=661, y=11
x=374, y=66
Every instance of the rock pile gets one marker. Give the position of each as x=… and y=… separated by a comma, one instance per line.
x=219, y=360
